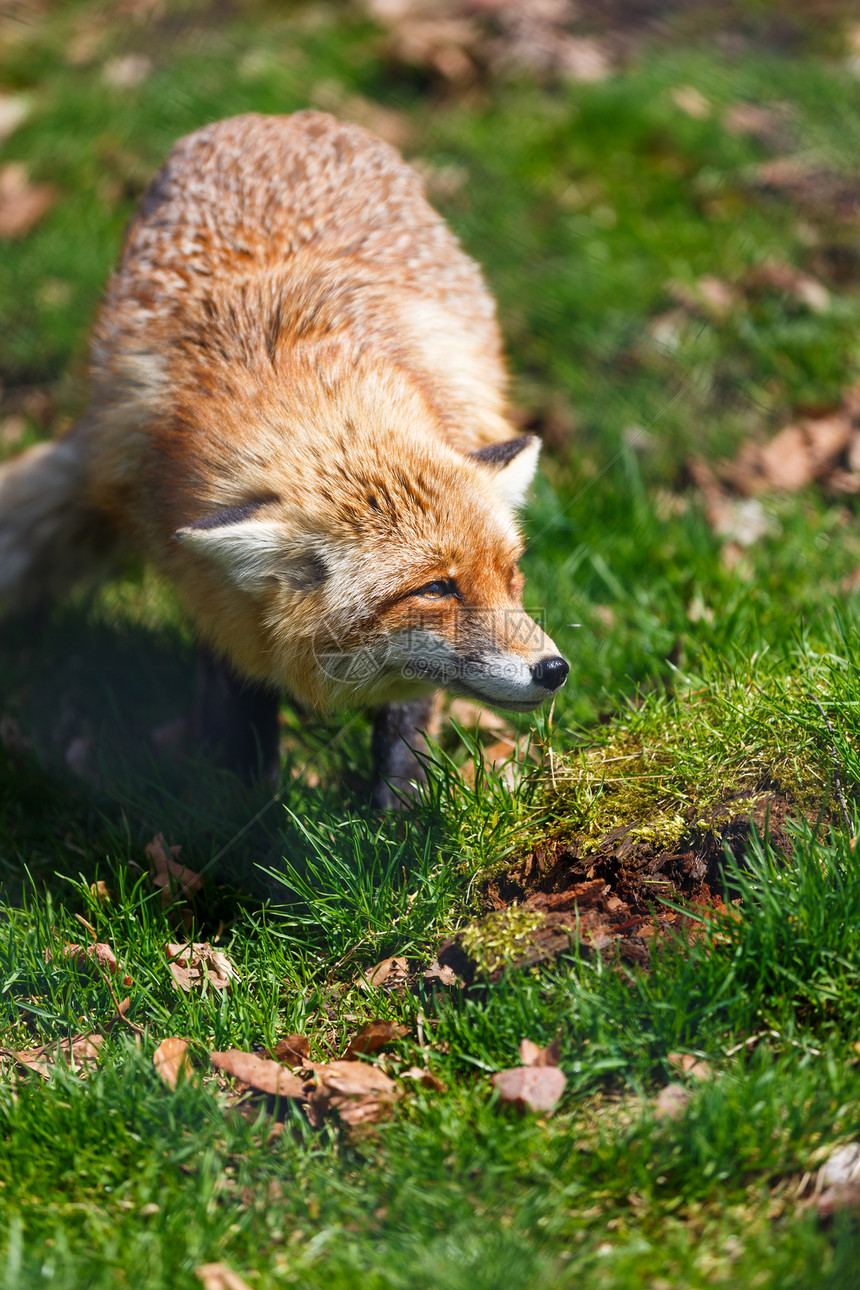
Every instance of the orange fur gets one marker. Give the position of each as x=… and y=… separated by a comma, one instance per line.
x=293, y=331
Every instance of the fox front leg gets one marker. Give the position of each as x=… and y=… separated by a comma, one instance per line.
x=399, y=731
x=236, y=720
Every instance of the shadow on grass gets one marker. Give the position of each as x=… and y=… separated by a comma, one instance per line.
x=95, y=700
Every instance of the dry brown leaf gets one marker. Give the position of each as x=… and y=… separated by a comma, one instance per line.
x=691, y=101
x=191, y=966
x=425, y=1078
x=579, y=58
x=783, y=463
x=792, y=281
x=739, y=521
x=373, y=1036
x=170, y=1059
x=261, y=1073
x=22, y=204
x=100, y=956
x=430, y=33
x=532, y=1054
x=810, y=184
x=455, y=38
x=710, y=296
x=444, y=975
x=840, y=1198
x=174, y=879
x=671, y=1102
x=12, y=431
x=360, y=1093
x=355, y=1079
x=474, y=715
x=292, y=1050
x=687, y=1064
x=794, y=458
x=127, y=71
x=504, y=758
x=768, y=123
x=391, y=974
x=101, y=891
x=841, y=1166
x=217, y=1276
x=531, y=1088
x=14, y=109
x=78, y=1052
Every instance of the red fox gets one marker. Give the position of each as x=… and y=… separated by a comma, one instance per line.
x=298, y=415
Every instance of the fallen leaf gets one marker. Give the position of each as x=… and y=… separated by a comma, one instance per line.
x=457, y=39
x=217, y=1276
x=425, y=1078
x=811, y=185
x=666, y=329
x=709, y=295
x=532, y=1054
x=768, y=123
x=172, y=878
x=100, y=956
x=80, y=1051
x=14, y=109
x=671, y=1102
x=22, y=204
x=503, y=758
x=795, y=457
x=359, y=1093
x=691, y=101
x=687, y=1064
x=293, y=1050
x=842, y=1166
x=791, y=281
x=170, y=1059
x=261, y=1073
x=12, y=431
x=841, y=1197
x=444, y=975
x=100, y=891
x=127, y=71
x=191, y=966
x=580, y=58
x=429, y=33
x=391, y=975
x=474, y=715
x=531, y=1088
x=739, y=521
x=373, y=1036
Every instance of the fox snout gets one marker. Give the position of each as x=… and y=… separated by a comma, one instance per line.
x=499, y=657
x=503, y=658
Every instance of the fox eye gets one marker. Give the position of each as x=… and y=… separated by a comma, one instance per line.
x=443, y=587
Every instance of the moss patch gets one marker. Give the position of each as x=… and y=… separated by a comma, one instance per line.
x=683, y=765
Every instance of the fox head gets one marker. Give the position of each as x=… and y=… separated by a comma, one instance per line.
x=382, y=565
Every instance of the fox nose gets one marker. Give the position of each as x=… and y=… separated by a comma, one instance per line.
x=551, y=673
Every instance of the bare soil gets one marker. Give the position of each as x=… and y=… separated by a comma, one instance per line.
x=623, y=896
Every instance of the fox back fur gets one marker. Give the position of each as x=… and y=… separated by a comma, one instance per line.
x=298, y=415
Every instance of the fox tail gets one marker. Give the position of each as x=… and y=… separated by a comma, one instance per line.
x=50, y=538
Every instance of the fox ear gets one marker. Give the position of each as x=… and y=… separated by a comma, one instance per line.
x=253, y=553
x=512, y=464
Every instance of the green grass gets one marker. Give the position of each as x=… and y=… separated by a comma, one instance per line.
x=692, y=676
